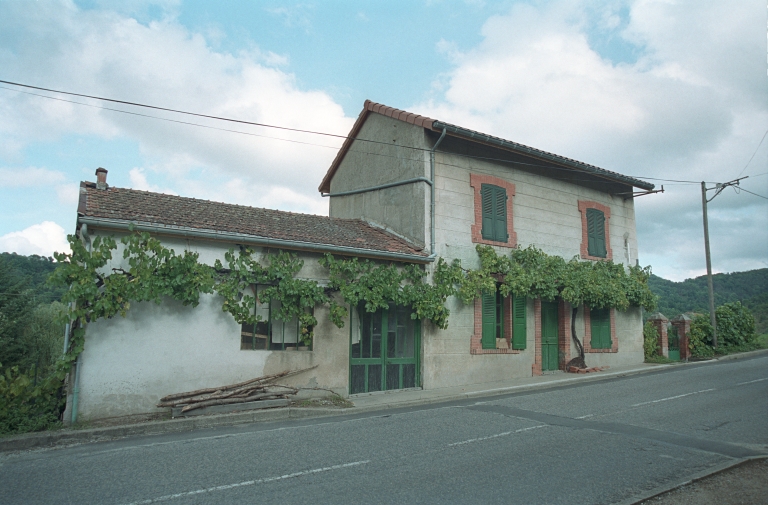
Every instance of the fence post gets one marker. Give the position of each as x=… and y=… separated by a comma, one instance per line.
x=660, y=323
x=683, y=325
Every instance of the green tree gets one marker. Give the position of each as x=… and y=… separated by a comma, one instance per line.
x=15, y=307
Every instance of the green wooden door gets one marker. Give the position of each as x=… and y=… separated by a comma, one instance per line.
x=386, y=354
x=549, y=351
x=673, y=344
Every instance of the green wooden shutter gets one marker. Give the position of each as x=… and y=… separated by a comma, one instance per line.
x=518, y=322
x=494, y=207
x=486, y=192
x=500, y=222
x=488, y=339
x=596, y=233
x=600, y=321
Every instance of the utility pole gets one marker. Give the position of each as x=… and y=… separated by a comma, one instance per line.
x=719, y=189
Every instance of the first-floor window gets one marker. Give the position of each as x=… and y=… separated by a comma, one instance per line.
x=270, y=333
x=493, y=325
x=600, y=322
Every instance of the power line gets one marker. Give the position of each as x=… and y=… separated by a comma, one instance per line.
x=751, y=193
x=135, y=104
x=753, y=154
x=272, y=126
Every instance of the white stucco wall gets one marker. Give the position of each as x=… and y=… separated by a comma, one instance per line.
x=130, y=363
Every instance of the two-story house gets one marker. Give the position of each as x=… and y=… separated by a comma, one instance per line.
x=448, y=188
x=403, y=188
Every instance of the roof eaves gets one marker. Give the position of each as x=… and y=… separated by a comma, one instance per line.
x=514, y=146
x=186, y=231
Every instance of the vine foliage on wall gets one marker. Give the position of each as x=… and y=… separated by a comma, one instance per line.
x=152, y=272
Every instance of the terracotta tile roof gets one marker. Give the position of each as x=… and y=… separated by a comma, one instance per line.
x=128, y=205
x=471, y=135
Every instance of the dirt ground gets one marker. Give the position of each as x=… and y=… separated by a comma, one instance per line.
x=745, y=484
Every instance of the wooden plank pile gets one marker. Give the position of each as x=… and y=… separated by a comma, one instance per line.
x=260, y=388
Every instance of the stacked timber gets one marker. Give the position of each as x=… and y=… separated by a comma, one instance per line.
x=257, y=389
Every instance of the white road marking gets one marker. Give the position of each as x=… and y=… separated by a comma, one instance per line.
x=496, y=436
x=750, y=382
x=248, y=483
x=672, y=397
x=584, y=417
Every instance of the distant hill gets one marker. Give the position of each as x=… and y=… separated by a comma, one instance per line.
x=33, y=271
x=750, y=288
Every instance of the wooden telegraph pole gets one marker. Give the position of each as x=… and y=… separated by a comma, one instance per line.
x=719, y=188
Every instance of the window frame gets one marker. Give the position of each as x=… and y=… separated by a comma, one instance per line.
x=271, y=323
x=588, y=316
x=476, y=181
x=510, y=316
x=584, y=207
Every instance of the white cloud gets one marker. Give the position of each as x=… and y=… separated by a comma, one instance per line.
x=42, y=239
x=693, y=106
x=68, y=194
x=29, y=177
x=111, y=54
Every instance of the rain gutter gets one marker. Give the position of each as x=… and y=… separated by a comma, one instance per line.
x=242, y=238
x=506, y=144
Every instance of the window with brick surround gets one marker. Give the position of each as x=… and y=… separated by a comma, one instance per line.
x=493, y=211
x=502, y=323
x=600, y=320
x=595, y=231
x=600, y=330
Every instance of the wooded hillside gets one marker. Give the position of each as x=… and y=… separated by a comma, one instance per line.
x=750, y=288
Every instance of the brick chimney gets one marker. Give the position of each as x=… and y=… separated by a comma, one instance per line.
x=101, y=178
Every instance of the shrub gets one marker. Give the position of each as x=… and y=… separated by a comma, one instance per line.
x=650, y=340
x=700, y=338
x=735, y=325
x=24, y=406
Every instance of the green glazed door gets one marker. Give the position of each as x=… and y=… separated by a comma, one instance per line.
x=386, y=353
x=549, y=351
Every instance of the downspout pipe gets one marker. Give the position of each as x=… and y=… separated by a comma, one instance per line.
x=432, y=252
x=79, y=364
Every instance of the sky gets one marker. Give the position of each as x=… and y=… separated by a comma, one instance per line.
x=662, y=90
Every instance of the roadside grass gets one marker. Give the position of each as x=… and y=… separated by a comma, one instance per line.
x=659, y=360
x=762, y=341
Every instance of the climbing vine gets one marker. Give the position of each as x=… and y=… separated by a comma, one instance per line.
x=151, y=272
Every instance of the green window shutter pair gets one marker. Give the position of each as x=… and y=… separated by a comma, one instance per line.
x=494, y=213
x=493, y=321
x=600, y=321
x=596, y=233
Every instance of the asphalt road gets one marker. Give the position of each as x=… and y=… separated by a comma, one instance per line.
x=597, y=442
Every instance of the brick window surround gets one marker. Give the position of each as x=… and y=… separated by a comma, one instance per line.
x=583, y=206
x=476, y=181
x=475, y=342
x=588, y=333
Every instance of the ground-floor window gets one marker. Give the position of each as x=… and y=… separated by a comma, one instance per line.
x=600, y=322
x=385, y=351
x=503, y=318
x=270, y=333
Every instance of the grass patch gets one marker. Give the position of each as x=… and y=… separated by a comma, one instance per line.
x=762, y=341
x=659, y=360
